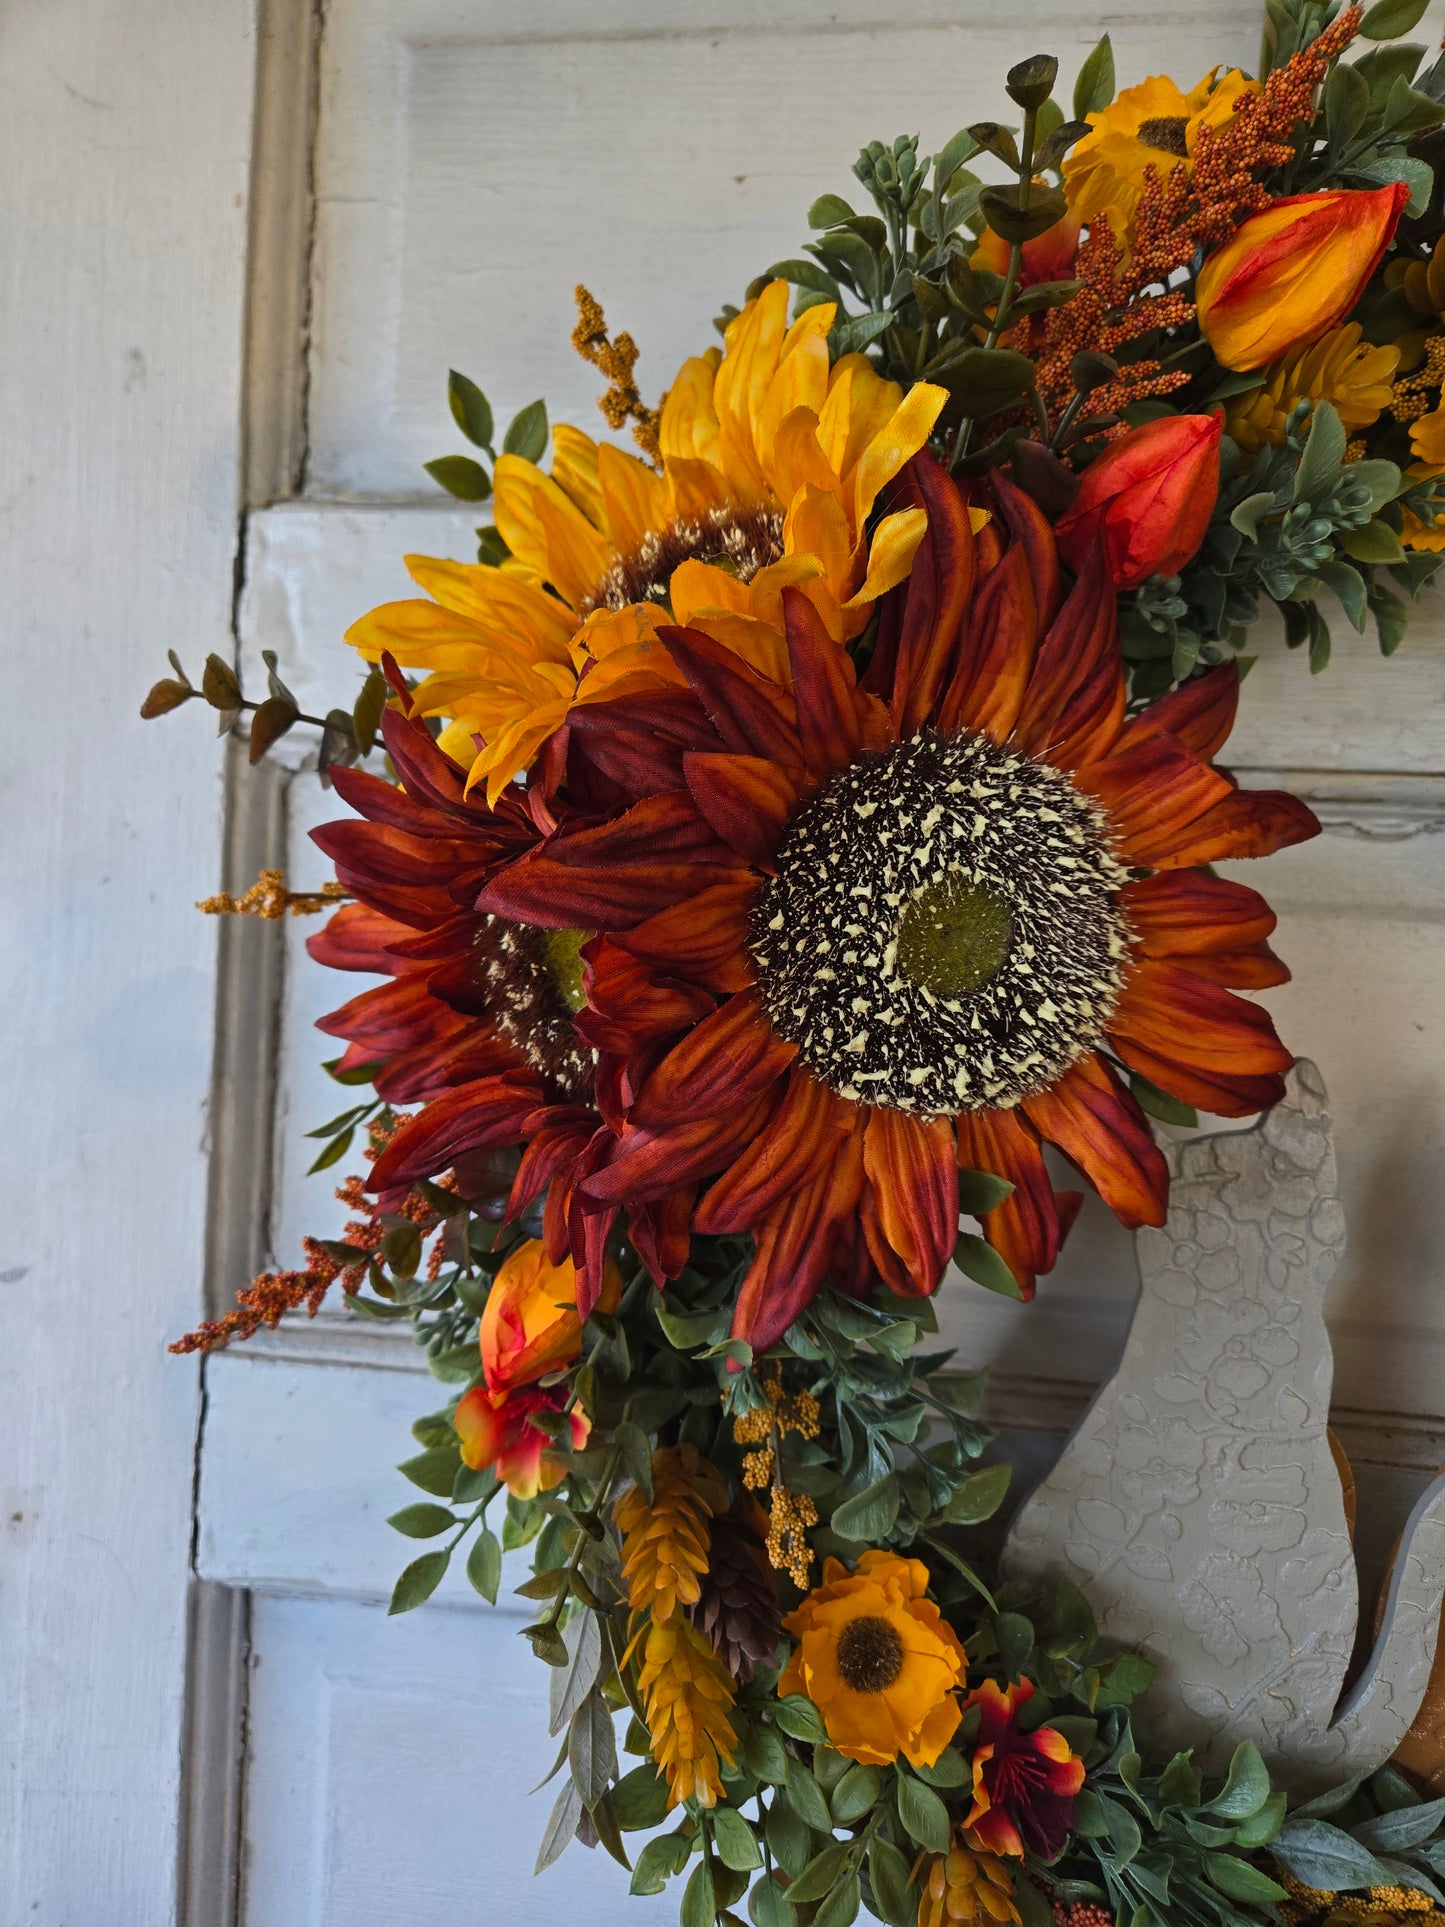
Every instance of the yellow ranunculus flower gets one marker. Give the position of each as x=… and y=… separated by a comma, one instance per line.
x=773, y=457
x=878, y=1660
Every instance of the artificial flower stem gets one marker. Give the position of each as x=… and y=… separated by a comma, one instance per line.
x=1011, y=273
x=593, y=1512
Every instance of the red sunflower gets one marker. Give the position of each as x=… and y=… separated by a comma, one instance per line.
x=476, y=1023
x=853, y=935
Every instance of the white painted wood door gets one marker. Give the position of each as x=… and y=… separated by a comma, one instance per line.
x=123, y=194
x=466, y=163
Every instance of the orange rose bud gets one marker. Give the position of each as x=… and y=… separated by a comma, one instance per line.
x=1148, y=499
x=495, y=1429
x=529, y=1324
x=1294, y=271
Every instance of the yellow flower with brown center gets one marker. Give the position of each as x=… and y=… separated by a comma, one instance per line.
x=878, y=1660
x=1152, y=125
x=1353, y=375
x=773, y=459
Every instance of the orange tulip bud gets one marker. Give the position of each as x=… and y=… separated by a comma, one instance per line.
x=529, y=1324
x=1294, y=271
x=1148, y=499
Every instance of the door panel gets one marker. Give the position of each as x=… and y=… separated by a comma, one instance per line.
x=390, y=1778
x=474, y=163
x=471, y=165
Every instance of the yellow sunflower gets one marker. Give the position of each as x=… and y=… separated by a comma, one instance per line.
x=773, y=458
x=878, y=1660
x=1151, y=125
x=1354, y=375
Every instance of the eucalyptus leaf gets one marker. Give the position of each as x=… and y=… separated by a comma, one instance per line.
x=422, y=1521
x=471, y=411
x=561, y=1827
x=419, y=1581
x=1326, y=1856
x=979, y=1496
x=923, y=1814
x=1094, y=88
x=527, y=433
x=461, y=477
x=978, y=1260
x=569, y=1685
x=736, y=1843
x=869, y=1515
x=484, y=1565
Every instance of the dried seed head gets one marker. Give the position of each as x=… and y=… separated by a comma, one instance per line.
x=943, y=931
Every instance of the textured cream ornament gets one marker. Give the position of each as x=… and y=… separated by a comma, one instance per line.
x=1198, y=1505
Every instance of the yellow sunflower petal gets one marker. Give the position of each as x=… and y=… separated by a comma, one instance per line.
x=634, y=499
x=890, y=554
x=546, y=530
x=574, y=469
x=908, y=430
x=689, y=427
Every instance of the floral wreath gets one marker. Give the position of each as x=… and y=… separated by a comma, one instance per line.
x=775, y=844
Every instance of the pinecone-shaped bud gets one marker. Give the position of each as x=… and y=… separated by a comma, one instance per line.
x=738, y=1609
x=966, y=1884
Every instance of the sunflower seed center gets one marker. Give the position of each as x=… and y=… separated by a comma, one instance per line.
x=528, y=982
x=1166, y=134
x=738, y=541
x=870, y=1654
x=942, y=933
x=954, y=936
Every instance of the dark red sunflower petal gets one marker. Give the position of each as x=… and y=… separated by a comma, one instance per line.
x=1197, y=1040
x=612, y=875
x=912, y=1171
x=1099, y=1127
x=752, y=716
x=661, y=1233
x=630, y=1005
x=643, y=1165
x=561, y=1132
x=1076, y=690
x=799, y=1140
x=492, y=1110
x=823, y=689
x=794, y=1246
x=1244, y=823
x=1200, y=713
x=745, y=799
x=940, y=585
x=1217, y=927
x=730, y=1057
x=1152, y=792
x=356, y=937
x=1031, y=530
x=639, y=741
x=473, y=1051
x=1024, y=1230
x=992, y=672
x=704, y=937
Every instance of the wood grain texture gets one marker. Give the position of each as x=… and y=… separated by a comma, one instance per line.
x=392, y=1773
x=476, y=161
x=122, y=202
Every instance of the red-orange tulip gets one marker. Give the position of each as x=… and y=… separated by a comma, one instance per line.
x=1147, y=499
x=529, y=1324
x=1294, y=271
